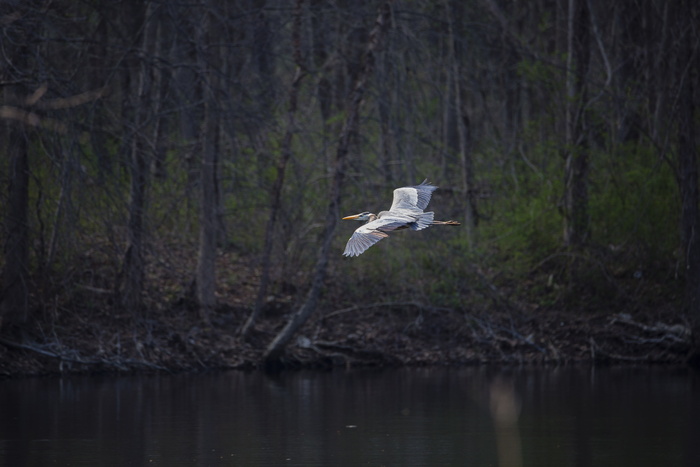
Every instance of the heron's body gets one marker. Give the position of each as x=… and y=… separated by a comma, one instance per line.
x=406, y=212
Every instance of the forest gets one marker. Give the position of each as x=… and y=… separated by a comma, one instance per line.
x=174, y=174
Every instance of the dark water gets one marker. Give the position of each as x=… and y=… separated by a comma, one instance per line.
x=408, y=417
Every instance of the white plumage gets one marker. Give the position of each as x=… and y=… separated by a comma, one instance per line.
x=406, y=211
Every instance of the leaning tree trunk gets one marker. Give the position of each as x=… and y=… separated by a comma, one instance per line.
x=286, y=153
x=276, y=347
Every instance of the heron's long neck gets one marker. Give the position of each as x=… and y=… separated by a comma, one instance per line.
x=371, y=217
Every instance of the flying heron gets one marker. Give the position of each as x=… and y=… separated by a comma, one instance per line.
x=405, y=212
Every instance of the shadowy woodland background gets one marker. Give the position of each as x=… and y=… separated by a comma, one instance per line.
x=186, y=164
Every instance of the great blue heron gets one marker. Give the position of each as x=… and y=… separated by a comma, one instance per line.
x=405, y=212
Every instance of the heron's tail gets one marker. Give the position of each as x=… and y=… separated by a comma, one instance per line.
x=423, y=221
x=446, y=223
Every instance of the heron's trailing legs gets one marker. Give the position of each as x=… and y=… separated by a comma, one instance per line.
x=446, y=223
x=406, y=212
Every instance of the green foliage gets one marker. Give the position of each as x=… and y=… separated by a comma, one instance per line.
x=634, y=202
x=524, y=223
x=537, y=71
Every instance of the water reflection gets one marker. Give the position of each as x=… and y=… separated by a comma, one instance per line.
x=505, y=411
x=408, y=417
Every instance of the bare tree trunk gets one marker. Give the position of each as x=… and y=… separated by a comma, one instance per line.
x=276, y=347
x=97, y=51
x=187, y=89
x=561, y=49
x=14, y=281
x=690, y=218
x=286, y=153
x=462, y=122
x=321, y=42
x=15, y=76
x=688, y=175
x=388, y=145
x=576, y=152
x=14, y=304
x=161, y=82
x=661, y=67
x=206, y=259
x=208, y=226
x=133, y=264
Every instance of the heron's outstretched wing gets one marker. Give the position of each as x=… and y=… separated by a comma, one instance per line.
x=412, y=198
x=370, y=233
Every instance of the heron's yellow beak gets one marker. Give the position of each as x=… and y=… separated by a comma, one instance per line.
x=351, y=217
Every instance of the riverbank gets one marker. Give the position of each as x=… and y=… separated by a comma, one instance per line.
x=175, y=340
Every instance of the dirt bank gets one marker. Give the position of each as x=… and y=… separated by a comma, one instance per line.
x=173, y=340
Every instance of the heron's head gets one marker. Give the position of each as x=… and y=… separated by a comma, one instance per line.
x=363, y=216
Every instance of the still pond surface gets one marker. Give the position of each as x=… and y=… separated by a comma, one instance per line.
x=477, y=416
